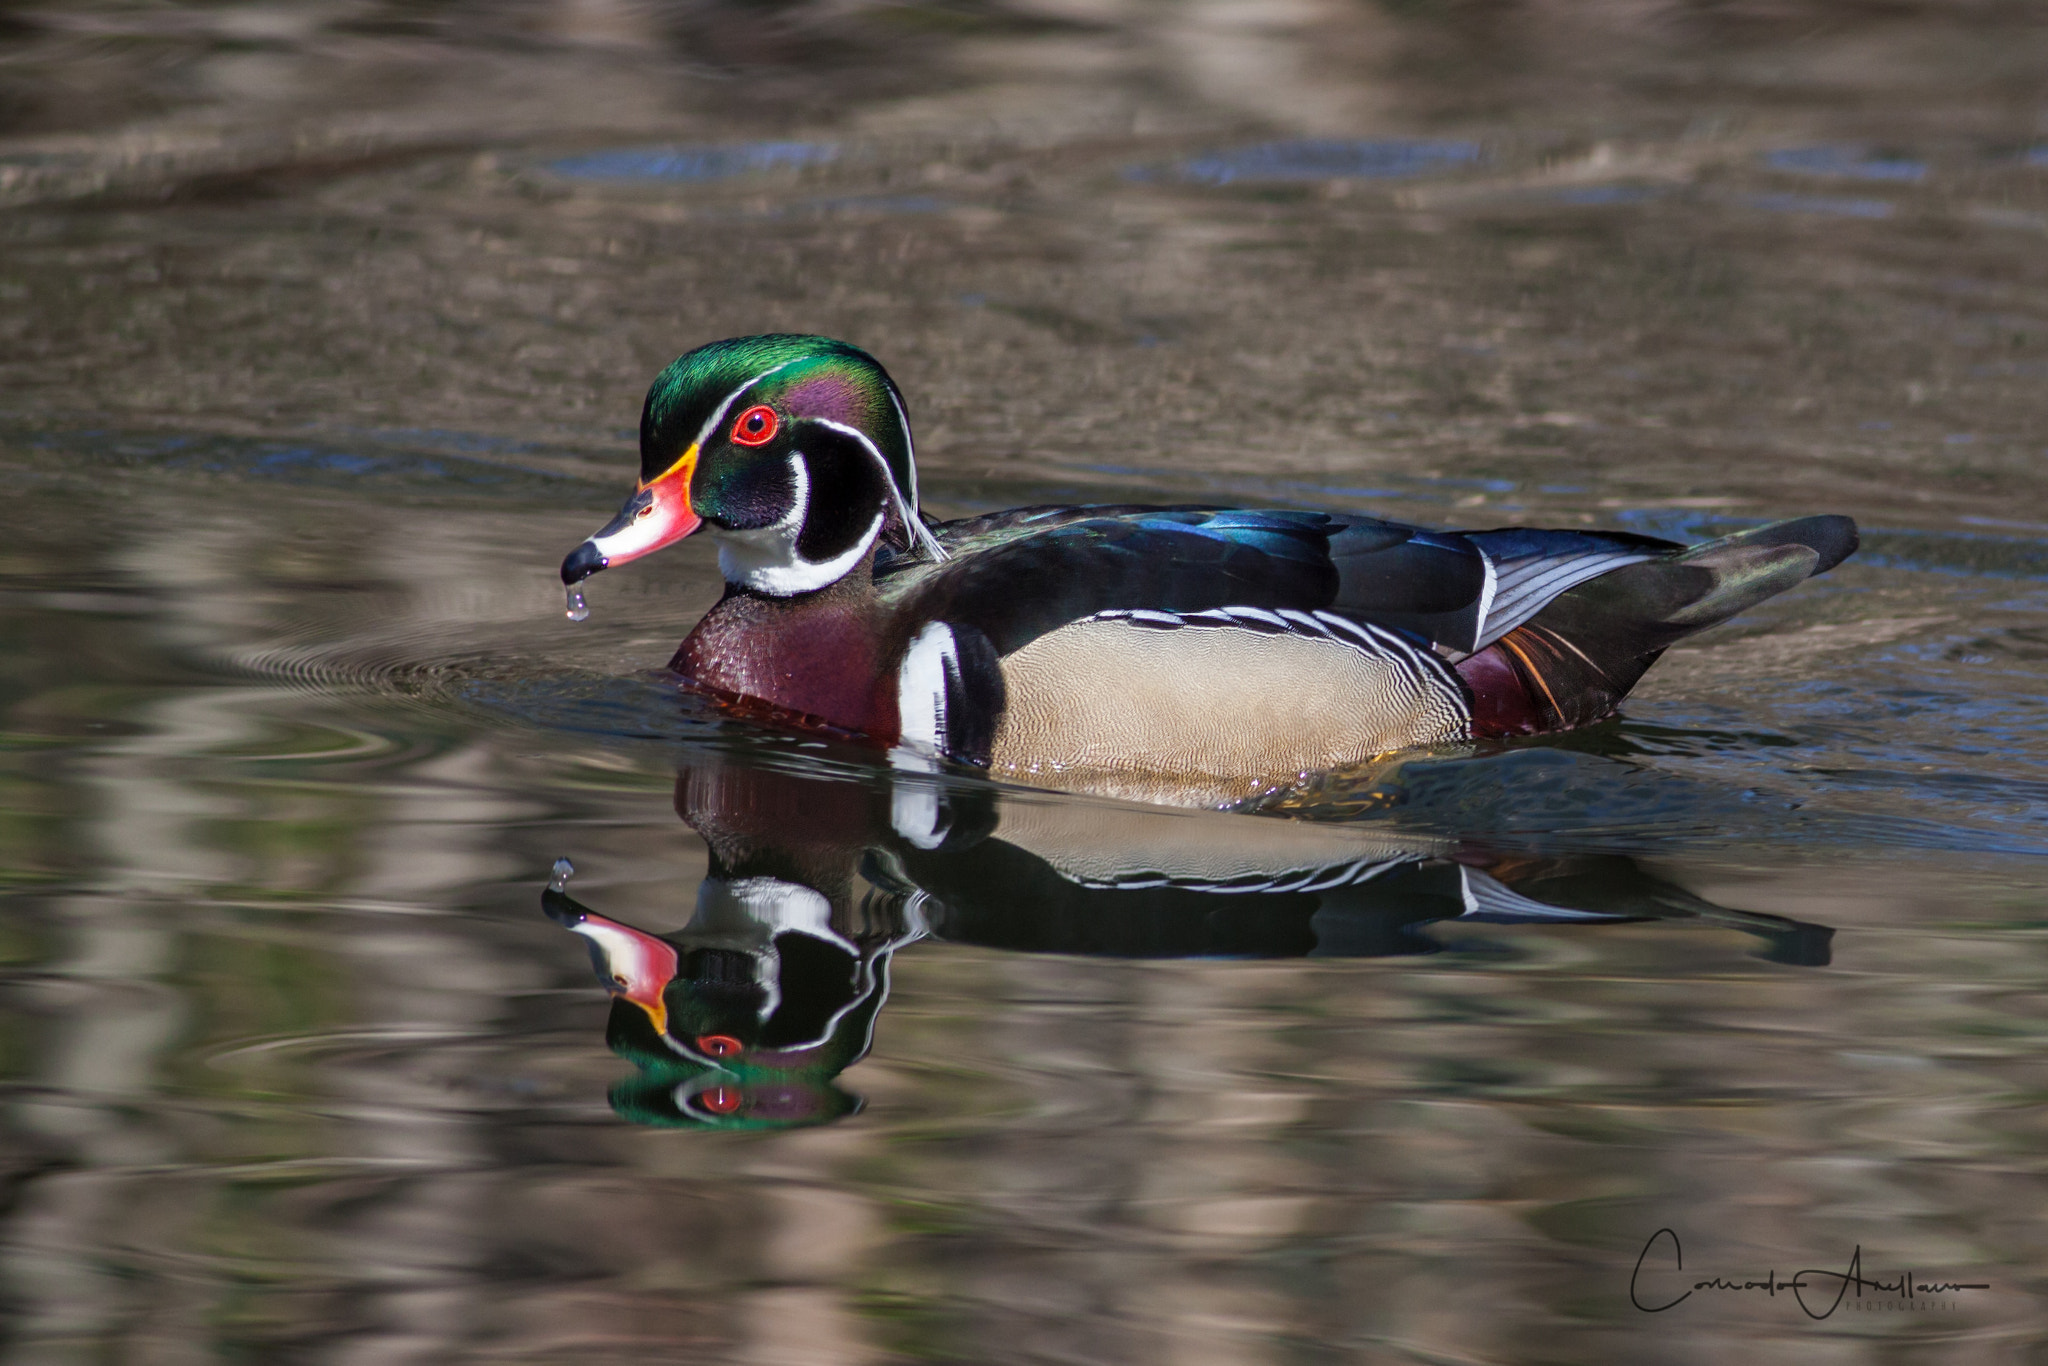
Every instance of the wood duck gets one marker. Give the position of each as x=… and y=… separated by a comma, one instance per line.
x=1121, y=647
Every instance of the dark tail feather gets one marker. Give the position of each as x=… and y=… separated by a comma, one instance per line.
x=1833, y=539
x=1577, y=658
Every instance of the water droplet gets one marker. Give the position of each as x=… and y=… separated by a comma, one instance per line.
x=578, y=608
x=560, y=874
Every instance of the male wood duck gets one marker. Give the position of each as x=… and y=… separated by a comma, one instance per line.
x=1127, y=645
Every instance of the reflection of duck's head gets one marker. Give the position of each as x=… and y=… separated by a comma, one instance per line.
x=742, y=1018
x=724, y=1080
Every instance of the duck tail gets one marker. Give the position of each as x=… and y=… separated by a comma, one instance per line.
x=1572, y=662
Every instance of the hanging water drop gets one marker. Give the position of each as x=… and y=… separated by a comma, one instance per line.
x=578, y=608
x=560, y=874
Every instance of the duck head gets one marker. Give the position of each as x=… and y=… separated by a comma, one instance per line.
x=793, y=452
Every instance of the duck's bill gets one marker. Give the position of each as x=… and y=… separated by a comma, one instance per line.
x=658, y=514
x=632, y=964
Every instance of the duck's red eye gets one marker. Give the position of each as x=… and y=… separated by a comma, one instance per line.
x=720, y=1100
x=718, y=1045
x=756, y=425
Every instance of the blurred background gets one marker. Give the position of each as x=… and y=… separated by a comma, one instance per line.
x=323, y=333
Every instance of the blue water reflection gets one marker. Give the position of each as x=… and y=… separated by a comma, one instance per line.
x=1851, y=163
x=1326, y=159
x=1597, y=195
x=693, y=163
x=1827, y=205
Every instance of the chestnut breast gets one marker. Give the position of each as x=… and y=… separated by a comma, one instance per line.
x=819, y=656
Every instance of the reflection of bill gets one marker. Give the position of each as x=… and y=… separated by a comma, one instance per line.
x=1809, y=1288
x=745, y=1016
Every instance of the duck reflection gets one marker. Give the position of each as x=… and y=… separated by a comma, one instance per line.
x=745, y=1017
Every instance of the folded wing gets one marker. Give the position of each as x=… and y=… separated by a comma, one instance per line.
x=1017, y=575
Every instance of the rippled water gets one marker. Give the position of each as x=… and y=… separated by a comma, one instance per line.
x=322, y=335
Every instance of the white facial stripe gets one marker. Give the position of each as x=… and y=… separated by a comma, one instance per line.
x=908, y=510
x=766, y=559
x=803, y=576
x=910, y=517
x=903, y=421
x=748, y=913
x=704, y=432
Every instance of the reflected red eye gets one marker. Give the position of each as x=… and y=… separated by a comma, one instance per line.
x=720, y=1100
x=718, y=1045
x=756, y=425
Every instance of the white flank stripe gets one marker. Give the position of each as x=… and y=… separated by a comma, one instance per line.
x=1302, y=620
x=921, y=687
x=1345, y=626
x=1485, y=599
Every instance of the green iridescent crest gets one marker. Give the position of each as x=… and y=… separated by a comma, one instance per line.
x=802, y=377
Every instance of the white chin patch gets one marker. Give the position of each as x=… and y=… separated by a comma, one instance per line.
x=766, y=559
